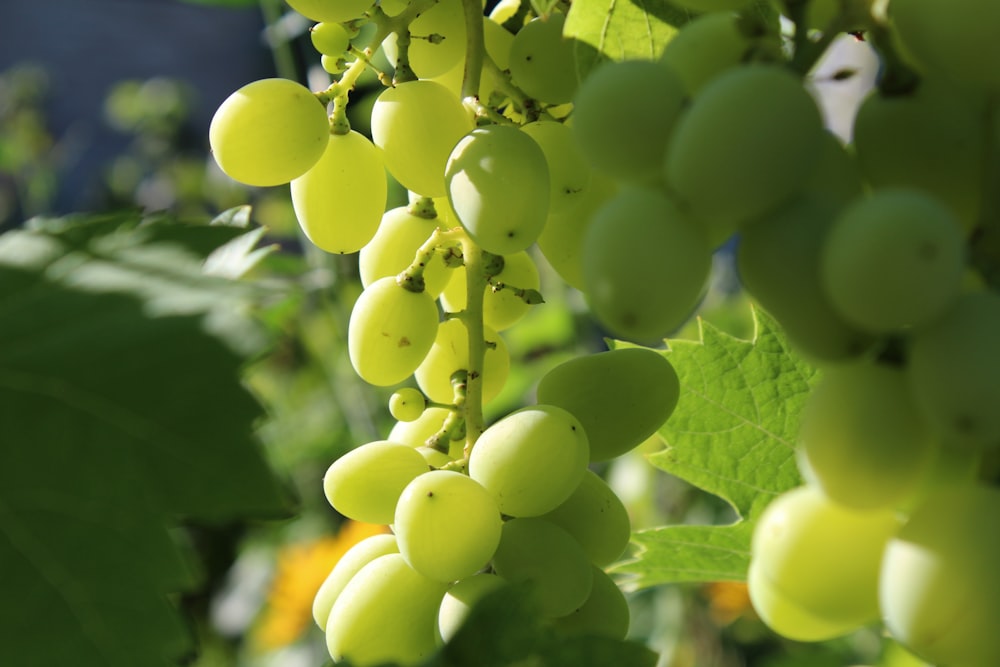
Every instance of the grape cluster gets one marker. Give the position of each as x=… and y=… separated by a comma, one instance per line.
x=870, y=256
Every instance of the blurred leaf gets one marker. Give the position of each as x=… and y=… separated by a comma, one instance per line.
x=119, y=415
x=733, y=434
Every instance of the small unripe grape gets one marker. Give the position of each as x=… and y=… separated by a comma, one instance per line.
x=407, y=404
x=498, y=186
x=330, y=39
x=269, y=132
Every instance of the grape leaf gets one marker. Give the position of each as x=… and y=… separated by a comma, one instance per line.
x=733, y=435
x=621, y=29
x=121, y=413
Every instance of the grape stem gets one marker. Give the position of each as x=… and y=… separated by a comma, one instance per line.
x=472, y=318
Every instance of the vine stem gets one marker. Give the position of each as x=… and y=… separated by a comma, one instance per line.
x=475, y=48
x=472, y=318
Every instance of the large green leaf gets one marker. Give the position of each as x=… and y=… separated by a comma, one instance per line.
x=733, y=435
x=121, y=412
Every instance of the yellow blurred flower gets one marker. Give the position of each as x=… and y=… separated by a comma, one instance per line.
x=727, y=600
x=300, y=571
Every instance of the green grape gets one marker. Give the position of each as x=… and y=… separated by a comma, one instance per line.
x=929, y=139
x=542, y=62
x=333, y=64
x=390, y=332
x=956, y=38
x=620, y=396
x=645, y=265
x=502, y=308
x=863, y=441
x=386, y=613
x=394, y=247
x=365, y=483
x=407, y=404
x=269, y=132
x=714, y=43
x=623, y=116
x=450, y=353
x=531, y=460
x=330, y=11
x=596, y=519
x=569, y=175
x=777, y=260
x=893, y=260
x=561, y=241
x=498, y=186
x=430, y=58
x=347, y=566
x=836, y=174
x=461, y=598
x=416, y=124
x=497, y=42
x=746, y=144
x=435, y=458
x=815, y=564
x=605, y=613
x=940, y=589
x=447, y=525
x=954, y=370
x=416, y=433
x=547, y=559
x=340, y=200
x=330, y=39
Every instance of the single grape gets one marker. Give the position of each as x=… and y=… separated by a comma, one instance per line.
x=893, y=260
x=502, y=308
x=331, y=11
x=928, y=139
x=940, y=589
x=605, y=613
x=461, y=598
x=620, y=396
x=531, y=460
x=814, y=565
x=746, y=144
x=269, y=132
x=498, y=186
x=596, y=519
x=863, y=440
x=956, y=38
x=450, y=353
x=546, y=558
x=542, y=63
x=447, y=525
x=569, y=174
x=777, y=260
x=394, y=247
x=645, y=265
x=428, y=58
x=387, y=612
x=714, y=43
x=365, y=483
x=340, y=200
x=390, y=332
x=347, y=566
x=330, y=39
x=407, y=404
x=954, y=371
x=623, y=116
x=416, y=124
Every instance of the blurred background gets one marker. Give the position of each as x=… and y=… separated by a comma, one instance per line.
x=105, y=105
